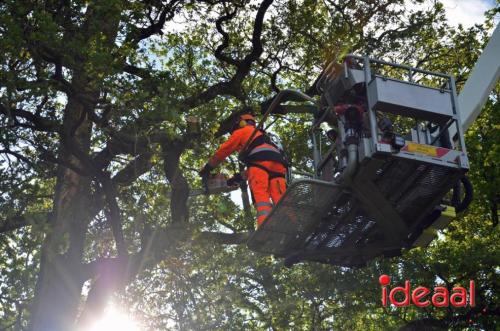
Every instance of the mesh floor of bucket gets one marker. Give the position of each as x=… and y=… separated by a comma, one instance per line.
x=326, y=222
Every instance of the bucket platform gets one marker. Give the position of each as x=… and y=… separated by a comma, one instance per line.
x=379, y=186
x=348, y=223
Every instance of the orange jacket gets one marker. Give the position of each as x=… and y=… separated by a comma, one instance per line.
x=234, y=143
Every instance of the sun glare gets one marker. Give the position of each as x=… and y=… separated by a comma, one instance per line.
x=115, y=320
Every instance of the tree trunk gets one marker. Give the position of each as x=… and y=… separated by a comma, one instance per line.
x=59, y=284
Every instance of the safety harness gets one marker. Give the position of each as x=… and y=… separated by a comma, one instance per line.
x=272, y=174
x=258, y=151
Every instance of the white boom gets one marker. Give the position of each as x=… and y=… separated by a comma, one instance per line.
x=481, y=82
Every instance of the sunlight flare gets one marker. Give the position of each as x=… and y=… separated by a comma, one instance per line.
x=115, y=320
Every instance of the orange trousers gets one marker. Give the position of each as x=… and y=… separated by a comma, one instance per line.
x=265, y=190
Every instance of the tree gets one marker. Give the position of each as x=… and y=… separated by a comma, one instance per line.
x=97, y=161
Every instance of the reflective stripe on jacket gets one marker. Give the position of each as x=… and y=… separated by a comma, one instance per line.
x=234, y=143
x=238, y=140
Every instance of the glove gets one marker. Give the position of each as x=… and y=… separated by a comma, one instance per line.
x=204, y=174
x=235, y=180
x=205, y=171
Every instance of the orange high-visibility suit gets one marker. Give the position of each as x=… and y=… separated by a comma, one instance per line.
x=266, y=178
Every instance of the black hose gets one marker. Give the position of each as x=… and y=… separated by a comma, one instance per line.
x=444, y=139
x=461, y=205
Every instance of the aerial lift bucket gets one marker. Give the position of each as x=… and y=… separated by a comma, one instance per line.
x=392, y=194
x=379, y=213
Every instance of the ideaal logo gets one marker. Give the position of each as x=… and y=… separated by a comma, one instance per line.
x=420, y=296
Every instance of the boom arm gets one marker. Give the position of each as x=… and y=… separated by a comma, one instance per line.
x=481, y=81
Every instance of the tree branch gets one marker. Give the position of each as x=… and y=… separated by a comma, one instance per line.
x=138, y=34
x=180, y=188
x=18, y=156
x=225, y=39
x=39, y=123
x=135, y=168
x=113, y=215
x=16, y=222
x=233, y=86
x=256, y=38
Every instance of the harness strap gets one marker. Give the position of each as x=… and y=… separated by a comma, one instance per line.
x=258, y=151
x=256, y=142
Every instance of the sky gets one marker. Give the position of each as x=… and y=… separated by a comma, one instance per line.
x=467, y=12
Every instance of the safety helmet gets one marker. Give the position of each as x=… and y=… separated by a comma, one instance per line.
x=244, y=120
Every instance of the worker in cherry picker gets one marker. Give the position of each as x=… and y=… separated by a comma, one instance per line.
x=352, y=107
x=266, y=163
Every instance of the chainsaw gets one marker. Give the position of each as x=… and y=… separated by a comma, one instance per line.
x=218, y=183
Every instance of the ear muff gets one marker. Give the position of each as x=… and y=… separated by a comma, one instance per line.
x=243, y=123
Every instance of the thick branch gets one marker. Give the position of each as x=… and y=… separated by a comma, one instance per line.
x=257, y=49
x=222, y=88
x=125, y=142
x=138, y=34
x=225, y=39
x=20, y=221
x=233, y=87
x=38, y=122
x=159, y=244
x=114, y=215
x=138, y=166
x=180, y=188
x=18, y=156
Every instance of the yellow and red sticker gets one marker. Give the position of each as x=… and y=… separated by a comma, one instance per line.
x=425, y=149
